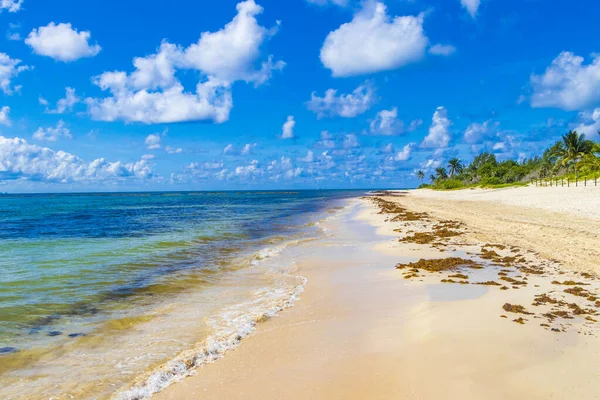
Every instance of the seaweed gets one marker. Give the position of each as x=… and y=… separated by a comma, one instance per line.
x=515, y=308
x=439, y=265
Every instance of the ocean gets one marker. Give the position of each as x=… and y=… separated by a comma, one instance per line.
x=118, y=295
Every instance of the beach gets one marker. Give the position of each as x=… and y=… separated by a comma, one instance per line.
x=519, y=322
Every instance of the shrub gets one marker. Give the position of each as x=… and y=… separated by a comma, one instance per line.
x=448, y=184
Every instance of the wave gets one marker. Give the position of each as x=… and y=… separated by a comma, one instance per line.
x=233, y=324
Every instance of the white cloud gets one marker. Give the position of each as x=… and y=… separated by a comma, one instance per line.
x=414, y=125
x=53, y=134
x=350, y=141
x=22, y=160
x=4, y=117
x=64, y=104
x=373, y=42
x=442, y=50
x=43, y=101
x=148, y=157
x=310, y=157
x=13, y=31
x=288, y=128
x=567, y=84
x=476, y=132
x=153, y=94
x=228, y=149
x=439, y=131
x=230, y=53
x=247, y=149
x=386, y=123
x=10, y=5
x=211, y=101
x=326, y=140
x=344, y=105
x=406, y=152
x=431, y=164
x=61, y=42
x=249, y=171
x=389, y=148
x=589, y=124
x=471, y=5
x=152, y=141
x=173, y=150
x=9, y=69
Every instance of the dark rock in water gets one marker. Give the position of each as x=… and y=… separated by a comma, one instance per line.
x=8, y=350
x=54, y=333
x=76, y=335
x=35, y=330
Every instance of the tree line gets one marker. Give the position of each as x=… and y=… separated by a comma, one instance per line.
x=571, y=155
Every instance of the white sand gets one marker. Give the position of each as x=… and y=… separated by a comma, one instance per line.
x=362, y=331
x=558, y=223
x=580, y=201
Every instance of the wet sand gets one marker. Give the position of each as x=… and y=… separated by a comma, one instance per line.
x=361, y=330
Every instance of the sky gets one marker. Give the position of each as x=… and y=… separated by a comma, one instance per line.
x=144, y=95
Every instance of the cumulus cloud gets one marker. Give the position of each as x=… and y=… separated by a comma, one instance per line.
x=9, y=69
x=588, y=123
x=22, y=160
x=477, y=132
x=350, y=141
x=251, y=170
x=310, y=157
x=406, y=152
x=439, y=131
x=288, y=128
x=64, y=104
x=567, y=83
x=386, y=123
x=173, y=150
x=326, y=140
x=4, y=117
x=472, y=6
x=61, y=42
x=229, y=54
x=152, y=141
x=53, y=134
x=247, y=149
x=442, y=50
x=345, y=105
x=10, y=5
x=373, y=41
x=153, y=94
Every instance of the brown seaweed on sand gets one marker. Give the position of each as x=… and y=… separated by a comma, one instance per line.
x=515, y=308
x=439, y=265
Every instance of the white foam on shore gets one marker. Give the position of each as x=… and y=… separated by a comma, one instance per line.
x=233, y=324
x=236, y=322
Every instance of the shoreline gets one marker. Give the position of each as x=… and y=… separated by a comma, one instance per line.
x=362, y=330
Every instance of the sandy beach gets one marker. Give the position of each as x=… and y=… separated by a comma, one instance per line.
x=514, y=317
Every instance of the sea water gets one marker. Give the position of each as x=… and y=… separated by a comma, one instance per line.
x=119, y=295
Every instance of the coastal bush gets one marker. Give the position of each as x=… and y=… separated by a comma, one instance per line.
x=572, y=157
x=449, y=184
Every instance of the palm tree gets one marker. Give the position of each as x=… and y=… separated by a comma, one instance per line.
x=571, y=150
x=455, y=166
x=420, y=175
x=432, y=178
x=441, y=173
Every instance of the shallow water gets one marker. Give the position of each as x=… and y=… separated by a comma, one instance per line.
x=97, y=291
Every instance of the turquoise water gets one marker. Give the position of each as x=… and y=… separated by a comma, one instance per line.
x=71, y=263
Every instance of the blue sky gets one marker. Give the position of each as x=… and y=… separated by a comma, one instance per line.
x=264, y=94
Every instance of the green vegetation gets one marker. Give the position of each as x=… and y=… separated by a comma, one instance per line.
x=573, y=157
